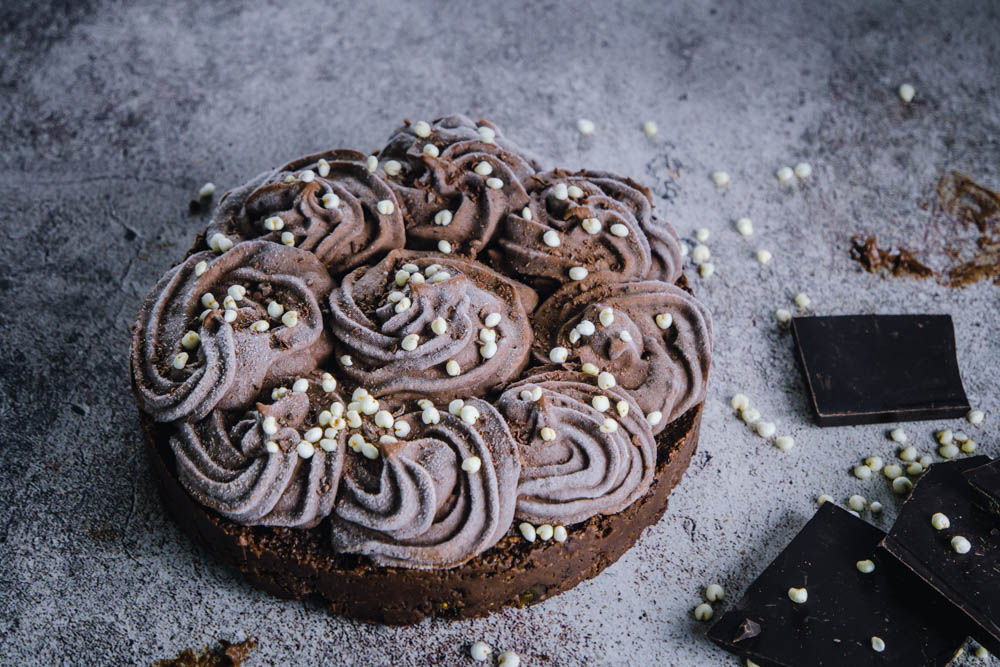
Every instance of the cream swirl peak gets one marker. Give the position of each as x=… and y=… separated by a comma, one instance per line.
x=416, y=505
x=331, y=204
x=584, y=450
x=266, y=468
x=457, y=180
x=665, y=245
x=593, y=220
x=208, y=335
x=419, y=324
x=651, y=338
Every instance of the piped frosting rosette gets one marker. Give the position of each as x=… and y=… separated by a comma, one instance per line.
x=584, y=450
x=585, y=222
x=456, y=179
x=331, y=204
x=435, y=497
x=218, y=326
x=277, y=465
x=426, y=325
x=665, y=248
x=648, y=337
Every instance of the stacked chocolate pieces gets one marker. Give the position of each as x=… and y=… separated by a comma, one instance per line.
x=909, y=597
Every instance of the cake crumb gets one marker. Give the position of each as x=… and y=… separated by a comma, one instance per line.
x=226, y=655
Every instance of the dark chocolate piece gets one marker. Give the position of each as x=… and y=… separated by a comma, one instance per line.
x=844, y=609
x=748, y=629
x=970, y=581
x=985, y=481
x=868, y=369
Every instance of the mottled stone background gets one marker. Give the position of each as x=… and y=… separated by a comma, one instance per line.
x=114, y=113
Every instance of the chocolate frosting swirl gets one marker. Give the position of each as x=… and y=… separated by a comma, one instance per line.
x=445, y=179
x=370, y=326
x=415, y=507
x=228, y=467
x=665, y=368
x=588, y=468
x=329, y=203
x=229, y=361
x=665, y=245
x=591, y=219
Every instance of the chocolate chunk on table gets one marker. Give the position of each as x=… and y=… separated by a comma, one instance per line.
x=867, y=369
x=970, y=581
x=985, y=481
x=845, y=608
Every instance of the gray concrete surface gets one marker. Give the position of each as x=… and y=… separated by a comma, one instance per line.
x=114, y=113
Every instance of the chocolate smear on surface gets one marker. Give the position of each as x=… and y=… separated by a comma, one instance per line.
x=966, y=224
x=973, y=207
x=902, y=262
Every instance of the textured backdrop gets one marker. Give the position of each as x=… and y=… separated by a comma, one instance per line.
x=114, y=114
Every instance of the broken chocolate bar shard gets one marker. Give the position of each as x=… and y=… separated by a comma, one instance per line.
x=985, y=481
x=869, y=369
x=970, y=581
x=845, y=608
x=748, y=629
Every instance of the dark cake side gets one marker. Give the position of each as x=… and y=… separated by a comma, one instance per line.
x=296, y=563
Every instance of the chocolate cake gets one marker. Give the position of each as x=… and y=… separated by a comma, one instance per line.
x=432, y=381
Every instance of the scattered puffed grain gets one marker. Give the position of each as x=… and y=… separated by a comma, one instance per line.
x=739, y=402
x=948, y=451
x=798, y=595
x=527, y=531
x=784, y=442
x=480, y=651
x=700, y=254
x=960, y=545
x=766, y=429
x=892, y=471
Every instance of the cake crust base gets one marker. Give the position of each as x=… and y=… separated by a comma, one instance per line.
x=295, y=563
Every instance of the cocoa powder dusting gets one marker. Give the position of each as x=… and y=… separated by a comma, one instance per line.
x=967, y=218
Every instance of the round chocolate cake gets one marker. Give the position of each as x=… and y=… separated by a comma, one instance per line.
x=432, y=381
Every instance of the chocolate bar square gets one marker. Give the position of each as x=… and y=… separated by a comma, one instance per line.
x=867, y=369
x=970, y=581
x=985, y=482
x=845, y=608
